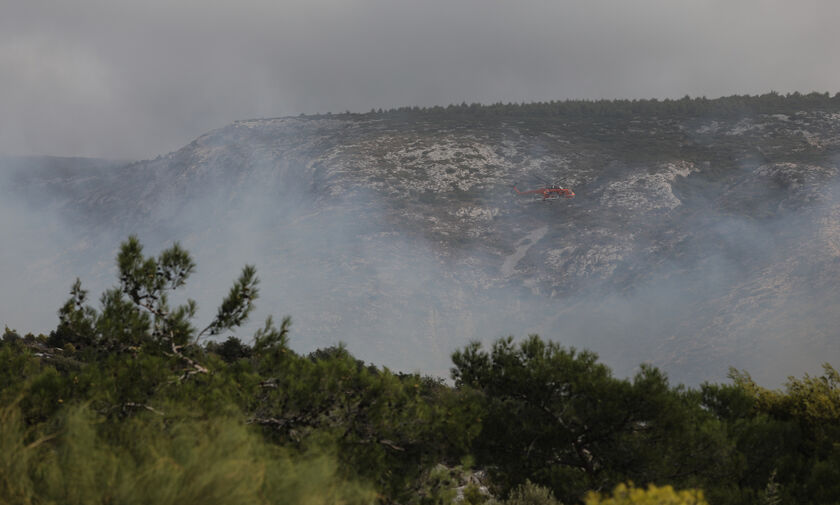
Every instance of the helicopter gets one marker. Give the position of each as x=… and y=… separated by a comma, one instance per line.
x=549, y=192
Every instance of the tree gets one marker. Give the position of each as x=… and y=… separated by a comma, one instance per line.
x=136, y=314
x=797, y=432
x=387, y=428
x=557, y=417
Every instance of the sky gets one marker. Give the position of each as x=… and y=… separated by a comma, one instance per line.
x=132, y=79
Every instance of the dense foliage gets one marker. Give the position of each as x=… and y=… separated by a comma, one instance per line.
x=131, y=402
x=727, y=106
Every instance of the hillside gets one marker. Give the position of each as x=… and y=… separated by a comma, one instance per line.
x=702, y=236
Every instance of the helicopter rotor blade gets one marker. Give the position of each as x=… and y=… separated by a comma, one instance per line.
x=540, y=179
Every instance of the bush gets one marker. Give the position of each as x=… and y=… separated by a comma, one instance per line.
x=531, y=494
x=160, y=460
x=630, y=495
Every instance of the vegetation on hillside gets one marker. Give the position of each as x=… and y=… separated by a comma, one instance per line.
x=727, y=106
x=131, y=402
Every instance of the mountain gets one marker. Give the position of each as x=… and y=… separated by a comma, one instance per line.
x=702, y=235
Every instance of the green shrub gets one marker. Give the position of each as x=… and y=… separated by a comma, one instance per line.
x=531, y=494
x=156, y=460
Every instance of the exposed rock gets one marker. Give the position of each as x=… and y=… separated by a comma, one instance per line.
x=647, y=191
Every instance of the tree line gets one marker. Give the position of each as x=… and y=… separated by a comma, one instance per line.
x=722, y=107
x=131, y=401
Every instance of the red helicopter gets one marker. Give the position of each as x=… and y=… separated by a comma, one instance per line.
x=549, y=192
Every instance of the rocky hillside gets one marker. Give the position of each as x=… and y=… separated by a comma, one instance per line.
x=696, y=241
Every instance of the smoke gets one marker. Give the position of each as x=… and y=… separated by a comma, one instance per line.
x=727, y=286
x=735, y=274
x=41, y=253
x=746, y=283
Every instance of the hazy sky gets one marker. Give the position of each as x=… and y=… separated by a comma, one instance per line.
x=137, y=78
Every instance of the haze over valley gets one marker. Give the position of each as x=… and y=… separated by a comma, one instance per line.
x=704, y=233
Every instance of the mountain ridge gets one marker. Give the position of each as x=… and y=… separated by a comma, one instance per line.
x=693, y=239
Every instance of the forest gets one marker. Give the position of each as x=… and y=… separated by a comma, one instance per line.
x=687, y=106
x=131, y=400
